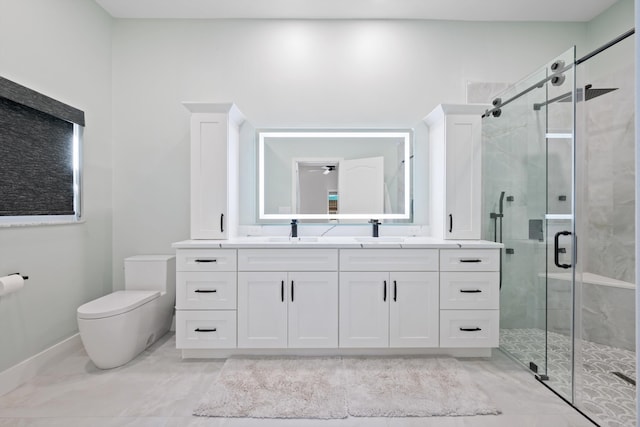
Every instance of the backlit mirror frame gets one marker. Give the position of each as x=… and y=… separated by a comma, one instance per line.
x=404, y=135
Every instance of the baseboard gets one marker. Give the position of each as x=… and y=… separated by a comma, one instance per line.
x=226, y=353
x=15, y=376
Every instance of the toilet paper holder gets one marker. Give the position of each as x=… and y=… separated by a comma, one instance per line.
x=23, y=277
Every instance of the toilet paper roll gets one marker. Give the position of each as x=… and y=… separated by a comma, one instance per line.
x=11, y=283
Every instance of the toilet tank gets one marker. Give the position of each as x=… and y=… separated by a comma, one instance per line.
x=150, y=273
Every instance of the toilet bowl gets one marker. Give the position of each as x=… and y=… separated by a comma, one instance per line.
x=117, y=327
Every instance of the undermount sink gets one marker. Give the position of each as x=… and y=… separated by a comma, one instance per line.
x=307, y=239
x=282, y=239
x=386, y=239
x=277, y=239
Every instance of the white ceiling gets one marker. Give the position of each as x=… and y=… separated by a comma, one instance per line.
x=465, y=10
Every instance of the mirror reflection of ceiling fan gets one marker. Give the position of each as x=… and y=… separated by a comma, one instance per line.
x=326, y=170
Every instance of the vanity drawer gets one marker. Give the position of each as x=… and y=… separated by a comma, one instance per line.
x=206, y=260
x=469, y=328
x=288, y=259
x=476, y=290
x=205, y=329
x=469, y=260
x=205, y=290
x=388, y=260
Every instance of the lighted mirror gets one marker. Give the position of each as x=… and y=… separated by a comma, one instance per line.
x=334, y=175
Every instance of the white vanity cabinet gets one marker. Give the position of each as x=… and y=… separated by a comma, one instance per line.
x=256, y=298
x=206, y=298
x=215, y=134
x=287, y=298
x=455, y=170
x=389, y=298
x=469, y=298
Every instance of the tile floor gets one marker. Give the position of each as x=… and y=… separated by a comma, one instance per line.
x=159, y=389
x=606, y=398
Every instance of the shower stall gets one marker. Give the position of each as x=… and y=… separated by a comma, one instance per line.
x=558, y=192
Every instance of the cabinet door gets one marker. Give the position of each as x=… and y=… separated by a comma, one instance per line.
x=463, y=176
x=262, y=310
x=313, y=309
x=364, y=309
x=209, y=153
x=414, y=309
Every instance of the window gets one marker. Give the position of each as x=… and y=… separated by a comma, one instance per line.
x=39, y=157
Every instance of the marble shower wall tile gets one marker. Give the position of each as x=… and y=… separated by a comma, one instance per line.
x=610, y=176
x=608, y=316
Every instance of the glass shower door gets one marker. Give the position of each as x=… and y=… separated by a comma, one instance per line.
x=527, y=200
x=560, y=226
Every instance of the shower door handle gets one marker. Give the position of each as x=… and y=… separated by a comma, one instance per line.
x=556, y=249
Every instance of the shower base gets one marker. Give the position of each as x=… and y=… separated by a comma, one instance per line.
x=601, y=393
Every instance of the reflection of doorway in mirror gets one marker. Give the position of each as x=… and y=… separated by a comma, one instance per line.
x=314, y=180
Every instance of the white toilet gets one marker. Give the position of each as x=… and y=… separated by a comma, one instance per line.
x=117, y=327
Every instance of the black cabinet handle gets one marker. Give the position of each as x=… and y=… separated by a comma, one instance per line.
x=205, y=330
x=222, y=223
x=200, y=261
x=450, y=223
x=470, y=291
x=385, y=291
x=292, y=291
x=470, y=260
x=395, y=291
x=282, y=290
x=470, y=329
x=205, y=291
x=556, y=251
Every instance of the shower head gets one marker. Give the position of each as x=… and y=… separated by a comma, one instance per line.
x=582, y=94
x=588, y=93
x=501, y=202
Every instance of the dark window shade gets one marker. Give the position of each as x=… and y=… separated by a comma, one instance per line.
x=29, y=97
x=36, y=162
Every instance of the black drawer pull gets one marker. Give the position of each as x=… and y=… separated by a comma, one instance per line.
x=470, y=329
x=199, y=261
x=205, y=291
x=470, y=260
x=470, y=291
x=205, y=330
x=385, y=291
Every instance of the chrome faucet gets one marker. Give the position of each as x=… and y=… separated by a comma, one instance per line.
x=375, y=223
x=294, y=228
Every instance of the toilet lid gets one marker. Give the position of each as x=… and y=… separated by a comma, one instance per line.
x=115, y=303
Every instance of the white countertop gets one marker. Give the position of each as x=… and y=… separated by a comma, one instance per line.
x=336, y=243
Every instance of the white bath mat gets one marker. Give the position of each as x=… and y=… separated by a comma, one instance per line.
x=412, y=387
x=277, y=388
x=332, y=387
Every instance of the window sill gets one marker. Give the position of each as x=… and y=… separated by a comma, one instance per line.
x=40, y=223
